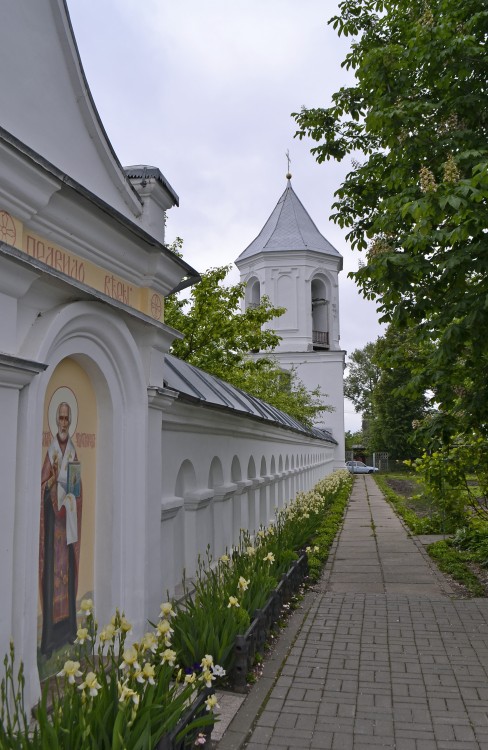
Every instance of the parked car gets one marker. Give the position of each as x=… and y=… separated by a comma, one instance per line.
x=358, y=467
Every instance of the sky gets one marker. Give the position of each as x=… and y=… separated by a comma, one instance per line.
x=204, y=90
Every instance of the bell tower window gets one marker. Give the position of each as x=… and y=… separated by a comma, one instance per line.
x=320, y=315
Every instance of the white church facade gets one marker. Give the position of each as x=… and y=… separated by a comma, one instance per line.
x=119, y=463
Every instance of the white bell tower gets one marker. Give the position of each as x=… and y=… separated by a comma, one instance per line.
x=297, y=268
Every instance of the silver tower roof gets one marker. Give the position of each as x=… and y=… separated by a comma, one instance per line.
x=289, y=228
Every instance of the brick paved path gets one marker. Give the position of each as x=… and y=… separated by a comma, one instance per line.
x=385, y=659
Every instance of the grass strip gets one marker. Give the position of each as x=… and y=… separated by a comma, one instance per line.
x=451, y=561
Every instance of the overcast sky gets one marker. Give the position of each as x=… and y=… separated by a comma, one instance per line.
x=203, y=89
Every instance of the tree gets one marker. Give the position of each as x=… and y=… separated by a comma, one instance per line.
x=363, y=375
x=418, y=202
x=381, y=384
x=218, y=338
x=397, y=405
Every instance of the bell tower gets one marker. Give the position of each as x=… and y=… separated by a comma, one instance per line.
x=293, y=264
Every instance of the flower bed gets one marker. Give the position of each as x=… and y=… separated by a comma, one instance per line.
x=240, y=595
x=158, y=691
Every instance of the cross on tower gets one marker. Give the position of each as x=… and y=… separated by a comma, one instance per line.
x=288, y=175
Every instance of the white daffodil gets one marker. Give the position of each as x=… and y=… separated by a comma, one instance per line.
x=208, y=677
x=207, y=661
x=147, y=674
x=82, y=635
x=125, y=625
x=243, y=584
x=126, y=693
x=86, y=607
x=167, y=610
x=149, y=642
x=91, y=684
x=70, y=670
x=129, y=658
x=108, y=633
x=211, y=702
x=168, y=657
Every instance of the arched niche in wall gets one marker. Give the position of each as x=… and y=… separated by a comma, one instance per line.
x=251, y=468
x=263, y=470
x=280, y=464
x=216, y=474
x=186, y=480
x=235, y=470
x=272, y=468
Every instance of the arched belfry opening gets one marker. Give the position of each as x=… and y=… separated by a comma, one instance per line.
x=320, y=315
x=253, y=293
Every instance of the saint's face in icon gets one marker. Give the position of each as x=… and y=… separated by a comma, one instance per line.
x=63, y=421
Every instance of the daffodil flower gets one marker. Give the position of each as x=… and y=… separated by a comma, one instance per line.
x=207, y=661
x=147, y=674
x=211, y=702
x=164, y=629
x=208, y=677
x=126, y=693
x=149, y=642
x=108, y=633
x=130, y=658
x=91, y=684
x=233, y=602
x=82, y=635
x=243, y=584
x=269, y=558
x=167, y=610
x=168, y=657
x=86, y=607
x=70, y=670
x=125, y=625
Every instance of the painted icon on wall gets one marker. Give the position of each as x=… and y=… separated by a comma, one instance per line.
x=60, y=536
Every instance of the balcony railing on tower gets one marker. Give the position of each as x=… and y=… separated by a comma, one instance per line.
x=320, y=339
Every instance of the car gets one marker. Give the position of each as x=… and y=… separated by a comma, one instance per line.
x=358, y=467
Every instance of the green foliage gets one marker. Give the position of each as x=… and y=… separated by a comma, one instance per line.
x=473, y=540
x=418, y=200
x=382, y=383
x=398, y=404
x=456, y=477
x=218, y=338
x=451, y=561
x=362, y=377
